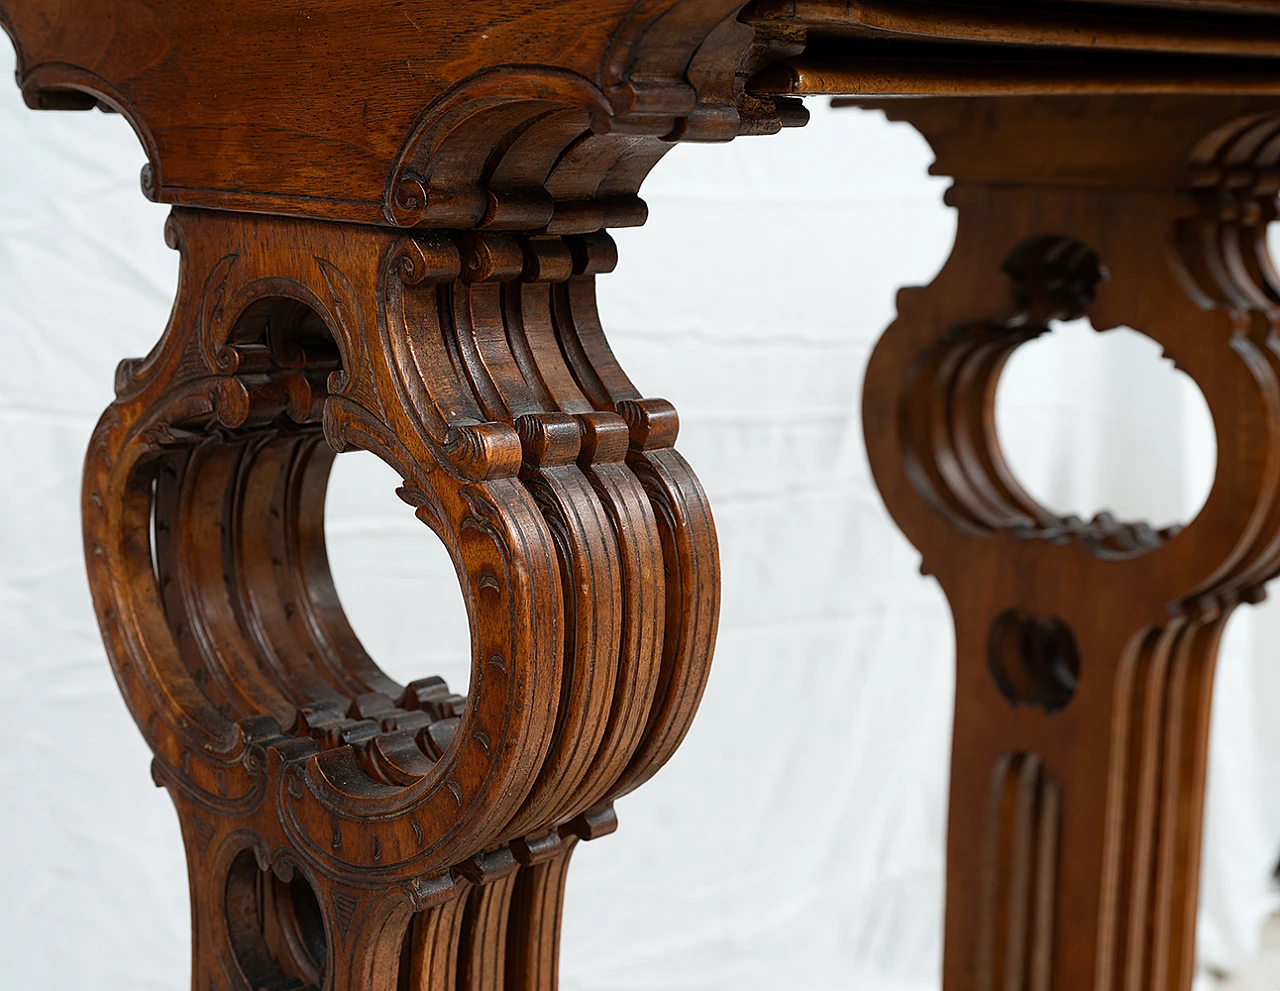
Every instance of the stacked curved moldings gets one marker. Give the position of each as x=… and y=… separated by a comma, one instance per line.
x=434, y=830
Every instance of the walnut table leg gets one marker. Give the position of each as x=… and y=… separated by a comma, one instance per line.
x=343, y=830
x=1085, y=650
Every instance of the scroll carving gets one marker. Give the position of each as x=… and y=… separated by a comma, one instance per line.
x=526, y=148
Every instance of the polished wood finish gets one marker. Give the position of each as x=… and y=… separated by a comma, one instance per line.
x=391, y=219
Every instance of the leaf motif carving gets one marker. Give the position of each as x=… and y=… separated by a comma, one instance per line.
x=213, y=345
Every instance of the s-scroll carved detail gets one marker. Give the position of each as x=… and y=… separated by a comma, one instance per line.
x=1083, y=624
x=532, y=148
x=440, y=177
x=432, y=832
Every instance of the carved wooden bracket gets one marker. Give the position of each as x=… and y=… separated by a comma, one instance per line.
x=510, y=116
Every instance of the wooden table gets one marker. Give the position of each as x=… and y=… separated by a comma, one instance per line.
x=391, y=216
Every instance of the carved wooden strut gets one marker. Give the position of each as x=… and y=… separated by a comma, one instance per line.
x=390, y=220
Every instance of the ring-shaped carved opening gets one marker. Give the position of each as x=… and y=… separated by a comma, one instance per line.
x=949, y=423
x=377, y=548
x=1079, y=448
x=235, y=538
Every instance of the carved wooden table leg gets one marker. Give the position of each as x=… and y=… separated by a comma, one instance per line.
x=1085, y=650
x=340, y=828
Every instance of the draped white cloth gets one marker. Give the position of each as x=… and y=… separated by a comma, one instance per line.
x=796, y=841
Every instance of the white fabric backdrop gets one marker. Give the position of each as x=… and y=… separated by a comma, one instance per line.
x=796, y=840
